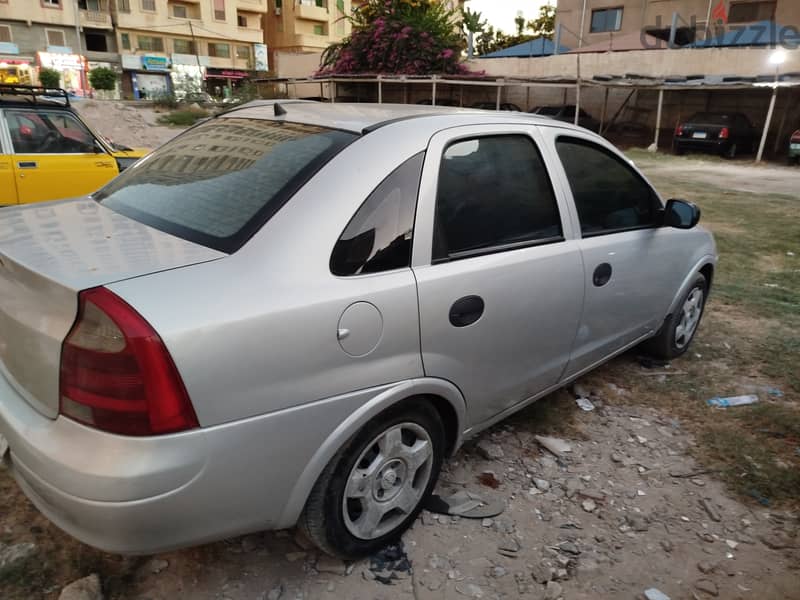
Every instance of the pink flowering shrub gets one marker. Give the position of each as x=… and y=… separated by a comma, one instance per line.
x=407, y=37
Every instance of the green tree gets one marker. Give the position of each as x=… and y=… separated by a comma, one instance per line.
x=519, y=21
x=545, y=24
x=49, y=78
x=472, y=23
x=103, y=78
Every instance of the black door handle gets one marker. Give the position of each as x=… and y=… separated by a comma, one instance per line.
x=465, y=311
x=602, y=274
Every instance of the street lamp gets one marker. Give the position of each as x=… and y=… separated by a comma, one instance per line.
x=777, y=58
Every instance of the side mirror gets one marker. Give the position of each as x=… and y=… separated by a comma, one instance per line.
x=681, y=214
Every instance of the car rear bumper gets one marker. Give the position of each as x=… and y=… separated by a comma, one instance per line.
x=142, y=495
x=715, y=146
x=794, y=151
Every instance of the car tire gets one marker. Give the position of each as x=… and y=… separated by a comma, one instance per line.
x=377, y=472
x=730, y=152
x=679, y=151
x=679, y=329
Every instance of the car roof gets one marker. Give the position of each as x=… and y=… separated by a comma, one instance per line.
x=364, y=117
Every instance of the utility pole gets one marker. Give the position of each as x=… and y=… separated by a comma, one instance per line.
x=583, y=24
x=196, y=55
x=80, y=46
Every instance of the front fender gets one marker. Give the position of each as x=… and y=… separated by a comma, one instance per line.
x=385, y=398
x=689, y=280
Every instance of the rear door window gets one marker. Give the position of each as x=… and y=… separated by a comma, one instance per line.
x=218, y=183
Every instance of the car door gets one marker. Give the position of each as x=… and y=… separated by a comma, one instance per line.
x=8, y=185
x=55, y=155
x=633, y=266
x=499, y=275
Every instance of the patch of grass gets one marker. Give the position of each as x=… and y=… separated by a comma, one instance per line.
x=183, y=117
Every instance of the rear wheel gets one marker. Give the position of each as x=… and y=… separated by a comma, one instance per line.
x=374, y=487
x=678, y=331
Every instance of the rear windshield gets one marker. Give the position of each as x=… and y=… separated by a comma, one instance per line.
x=711, y=119
x=218, y=183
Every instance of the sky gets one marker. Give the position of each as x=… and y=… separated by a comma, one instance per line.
x=500, y=13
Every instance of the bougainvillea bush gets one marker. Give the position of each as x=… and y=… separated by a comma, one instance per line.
x=409, y=37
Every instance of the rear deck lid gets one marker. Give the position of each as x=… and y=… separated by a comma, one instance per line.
x=48, y=253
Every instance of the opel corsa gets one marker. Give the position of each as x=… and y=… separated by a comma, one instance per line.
x=292, y=313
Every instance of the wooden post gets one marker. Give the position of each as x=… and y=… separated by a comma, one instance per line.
x=658, y=119
x=767, y=124
x=380, y=90
x=499, y=94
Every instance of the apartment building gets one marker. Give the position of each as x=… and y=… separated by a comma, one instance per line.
x=188, y=45
x=71, y=36
x=603, y=19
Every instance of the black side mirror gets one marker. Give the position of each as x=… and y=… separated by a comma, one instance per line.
x=681, y=214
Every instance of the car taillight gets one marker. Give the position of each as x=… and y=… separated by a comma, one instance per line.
x=796, y=137
x=724, y=133
x=116, y=373
x=679, y=130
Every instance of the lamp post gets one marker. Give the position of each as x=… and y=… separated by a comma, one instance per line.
x=777, y=58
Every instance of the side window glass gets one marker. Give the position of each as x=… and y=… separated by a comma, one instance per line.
x=51, y=132
x=608, y=194
x=378, y=237
x=493, y=192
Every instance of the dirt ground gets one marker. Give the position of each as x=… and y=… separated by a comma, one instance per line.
x=125, y=123
x=629, y=508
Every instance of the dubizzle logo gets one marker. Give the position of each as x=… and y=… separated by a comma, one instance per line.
x=719, y=14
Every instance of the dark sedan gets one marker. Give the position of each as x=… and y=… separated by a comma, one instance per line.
x=566, y=113
x=726, y=134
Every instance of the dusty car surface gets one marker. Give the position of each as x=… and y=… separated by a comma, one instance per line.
x=47, y=152
x=292, y=313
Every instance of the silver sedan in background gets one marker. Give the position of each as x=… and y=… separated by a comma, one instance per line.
x=292, y=313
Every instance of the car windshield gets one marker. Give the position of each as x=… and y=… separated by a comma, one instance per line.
x=218, y=183
x=711, y=119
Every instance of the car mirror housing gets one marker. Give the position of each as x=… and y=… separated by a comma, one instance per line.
x=681, y=214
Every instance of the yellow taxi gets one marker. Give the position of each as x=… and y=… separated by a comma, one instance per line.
x=47, y=152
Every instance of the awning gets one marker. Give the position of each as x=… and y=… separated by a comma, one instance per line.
x=625, y=43
x=536, y=47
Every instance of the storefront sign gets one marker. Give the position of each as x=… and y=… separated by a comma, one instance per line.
x=8, y=48
x=190, y=60
x=228, y=73
x=261, y=62
x=59, y=50
x=131, y=62
x=60, y=62
x=155, y=63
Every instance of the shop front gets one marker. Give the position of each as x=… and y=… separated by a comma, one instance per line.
x=188, y=74
x=146, y=77
x=72, y=68
x=14, y=69
x=223, y=82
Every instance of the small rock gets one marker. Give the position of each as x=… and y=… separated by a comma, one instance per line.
x=11, y=556
x=778, y=541
x=157, y=565
x=731, y=544
x=698, y=482
x=588, y=505
x=87, y=588
x=562, y=574
x=707, y=586
x=469, y=589
x=541, y=573
x=554, y=445
x=617, y=458
x=436, y=562
x=553, y=591
x=523, y=584
x=497, y=571
x=509, y=546
x=487, y=522
x=667, y=546
x=706, y=567
x=655, y=594
x=569, y=548
x=541, y=484
x=489, y=450
x=637, y=522
x=572, y=487
x=328, y=564
x=276, y=592
x=711, y=510
x=705, y=536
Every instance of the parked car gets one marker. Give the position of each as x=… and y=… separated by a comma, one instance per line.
x=726, y=134
x=493, y=106
x=47, y=152
x=242, y=333
x=794, y=148
x=439, y=102
x=566, y=113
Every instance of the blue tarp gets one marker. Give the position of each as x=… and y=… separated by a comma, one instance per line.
x=763, y=33
x=536, y=47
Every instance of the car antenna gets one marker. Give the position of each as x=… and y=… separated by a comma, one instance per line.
x=279, y=110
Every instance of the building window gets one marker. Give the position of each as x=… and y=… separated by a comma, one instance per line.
x=320, y=3
x=606, y=19
x=179, y=11
x=89, y=5
x=51, y=3
x=241, y=20
x=749, y=12
x=219, y=10
x=5, y=33
x=278, y=3
x=340, y=5
x=55, y=37
x=124, y=6
x=319, y=29
x=153, y=44
x=243, y=52
x=96, y=42
x=183, y=47
x=219, y=50
x=125, y=40
x=149, y=5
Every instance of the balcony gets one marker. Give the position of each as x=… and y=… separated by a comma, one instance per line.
x=259, y=6
x=307, y=40
x=312, y=12
x=96, y=19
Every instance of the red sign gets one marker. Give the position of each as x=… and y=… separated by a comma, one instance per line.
x=227, y=73
x=719, y=13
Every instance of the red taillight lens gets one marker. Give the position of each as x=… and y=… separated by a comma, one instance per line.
x=796, y=137
x=724, y=133
x=679, y=130
x=116, y=373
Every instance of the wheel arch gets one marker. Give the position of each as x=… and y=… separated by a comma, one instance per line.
x=705, y=267
x=443, y=395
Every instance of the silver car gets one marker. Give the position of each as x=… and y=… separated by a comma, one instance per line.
x=292, y=313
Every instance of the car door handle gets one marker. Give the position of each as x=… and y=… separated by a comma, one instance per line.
x=465, y=311
x=28, y=164
x=602, y=274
